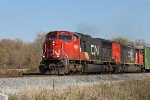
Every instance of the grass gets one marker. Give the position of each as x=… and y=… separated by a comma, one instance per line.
x=127, y=90
x=16, y=72
x=11, y=72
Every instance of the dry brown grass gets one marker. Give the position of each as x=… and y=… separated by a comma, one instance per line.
x=16, y=72
x=127, y=90
x=10, y=72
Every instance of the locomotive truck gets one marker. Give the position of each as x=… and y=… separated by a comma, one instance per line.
x=67, y=52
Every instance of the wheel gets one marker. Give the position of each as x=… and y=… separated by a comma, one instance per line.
x=117, y=68
x=42, y=69
x=143, y=70
x=61, y=71
x=53, y=72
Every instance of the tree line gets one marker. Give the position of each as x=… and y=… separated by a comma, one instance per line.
x=19, y=54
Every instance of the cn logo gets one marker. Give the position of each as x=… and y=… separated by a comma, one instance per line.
x=94, y=50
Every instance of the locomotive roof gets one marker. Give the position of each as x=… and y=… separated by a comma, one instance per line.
x=81, y=34
x=88, y=36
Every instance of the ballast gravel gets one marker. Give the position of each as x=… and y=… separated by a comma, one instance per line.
x=15, y=85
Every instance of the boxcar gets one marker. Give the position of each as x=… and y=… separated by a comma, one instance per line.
x=146, y=54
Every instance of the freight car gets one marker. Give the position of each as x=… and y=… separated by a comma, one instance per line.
x=71, y=52
x=146, y=57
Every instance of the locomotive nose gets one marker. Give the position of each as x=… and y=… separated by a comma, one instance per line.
x=53, y=49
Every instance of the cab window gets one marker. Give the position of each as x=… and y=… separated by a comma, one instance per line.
x=67, y=38
x=51, y=37
x=75, y=38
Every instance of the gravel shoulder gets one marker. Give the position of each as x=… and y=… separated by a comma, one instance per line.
x=15, y=85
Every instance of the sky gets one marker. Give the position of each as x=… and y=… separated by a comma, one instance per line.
x=24, y=19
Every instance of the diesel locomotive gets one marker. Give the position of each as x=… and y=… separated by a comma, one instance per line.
x=71, y=52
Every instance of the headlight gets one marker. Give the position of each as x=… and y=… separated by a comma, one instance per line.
x=53, y=43
x=57, y=56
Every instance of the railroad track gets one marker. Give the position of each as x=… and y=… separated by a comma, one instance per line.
x=25, y=75
x=52, y=75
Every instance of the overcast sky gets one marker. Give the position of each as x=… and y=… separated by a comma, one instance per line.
x=100, y=18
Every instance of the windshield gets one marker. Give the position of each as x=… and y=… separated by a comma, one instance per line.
x=65, y=37
x=51, y=37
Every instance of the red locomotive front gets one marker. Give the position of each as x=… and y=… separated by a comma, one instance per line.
x=60, y=45
x=59, y=48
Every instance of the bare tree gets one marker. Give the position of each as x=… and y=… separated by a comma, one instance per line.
x=123, y=41
x=140, y=42
x=39, y=40
x=3, y=58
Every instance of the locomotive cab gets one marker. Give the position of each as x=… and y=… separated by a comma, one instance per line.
x=54, y=42
x=61, y=45
x=60, y=48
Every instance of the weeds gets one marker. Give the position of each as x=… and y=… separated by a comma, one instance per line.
x=127, y=90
